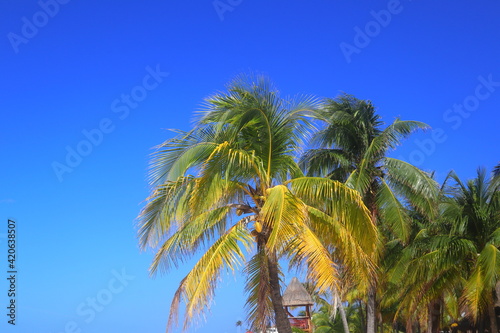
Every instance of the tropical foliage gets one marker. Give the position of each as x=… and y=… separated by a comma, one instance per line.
x=231, y=189
x=353, y=148
x=261, y=181
x=454, y=262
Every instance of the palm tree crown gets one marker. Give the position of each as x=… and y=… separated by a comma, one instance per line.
x=353, y=148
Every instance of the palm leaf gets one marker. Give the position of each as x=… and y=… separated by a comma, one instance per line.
x=414, y=184
x=393, y=212
x=199, y=285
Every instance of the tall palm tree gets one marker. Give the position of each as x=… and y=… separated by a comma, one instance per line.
x=231, y=189
x=353, y=148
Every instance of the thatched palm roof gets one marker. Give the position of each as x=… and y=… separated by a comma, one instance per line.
x=296, y=295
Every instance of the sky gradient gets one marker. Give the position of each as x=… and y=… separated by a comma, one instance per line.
x=89, y=87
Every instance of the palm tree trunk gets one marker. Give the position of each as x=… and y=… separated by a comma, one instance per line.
x=371, y=311
x=429, y=319
x=409, y=326
x=481, y=325
x=434, y=316
x=280, y=316
x=362, y=315
x=493, y=318
x=342, y=313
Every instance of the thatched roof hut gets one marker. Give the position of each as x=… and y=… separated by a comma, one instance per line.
x=296, y=295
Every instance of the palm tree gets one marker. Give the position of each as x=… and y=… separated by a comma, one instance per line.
x=328, y=304
x=327, y=319
x=477, y=220
x=324, y=322
x=425, y=274
x=353, y=148
x=456, y=257
x=231, y=189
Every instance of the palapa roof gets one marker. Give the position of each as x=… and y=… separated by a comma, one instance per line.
x=296, y=295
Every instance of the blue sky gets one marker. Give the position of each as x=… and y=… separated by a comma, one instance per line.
x=89, y=87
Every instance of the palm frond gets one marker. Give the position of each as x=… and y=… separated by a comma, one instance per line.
x=258, y=305
x=200, y=283
x=307, y=250
x=335, y=199
x=393, y=212
x=320, y=162
x=162, y=210
x=415, y=185
x=477, y=294
x=282, y=214
x=392, y=136
x=185, y=241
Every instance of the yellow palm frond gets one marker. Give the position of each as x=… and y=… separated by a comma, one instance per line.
x=184, y=241
x=307, y=250
x=280, y=215
x=343, y=205
x=198, y=286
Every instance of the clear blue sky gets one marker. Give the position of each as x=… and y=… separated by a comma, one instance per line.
x=66, y=75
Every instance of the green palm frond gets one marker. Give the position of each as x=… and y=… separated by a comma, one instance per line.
x=161, y=210
x=414, y=184
x=320, y=162
x=392, y=212
x=392, y=136
x=174, y=157
x=489, y=261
